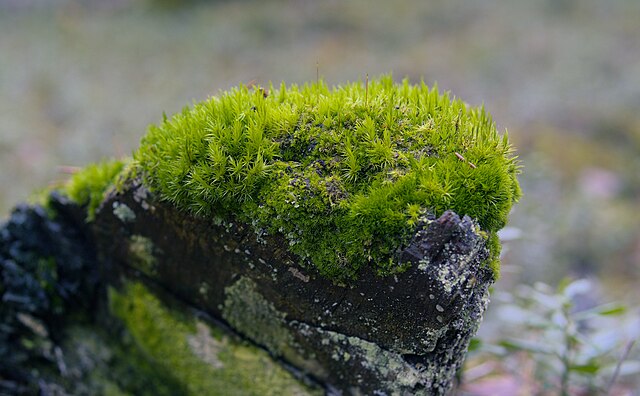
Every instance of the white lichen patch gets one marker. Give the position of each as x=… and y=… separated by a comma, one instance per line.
x=423, y=264
x=444, y=278
x=204, y=289
x=204, y=346
x=456, y=270
x=393, y=372
x=123, y=212
x=251, y=314
x=142, y=254
x=140, y=195
x=298, y=274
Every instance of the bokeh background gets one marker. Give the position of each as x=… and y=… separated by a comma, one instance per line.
x=80, y=80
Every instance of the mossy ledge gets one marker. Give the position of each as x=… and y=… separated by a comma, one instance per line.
x=299, y=198
x=343, y=173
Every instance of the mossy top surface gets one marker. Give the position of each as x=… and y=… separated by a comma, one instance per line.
x=342, y=173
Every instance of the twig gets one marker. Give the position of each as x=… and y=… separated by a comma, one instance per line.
x=461, y=158
x=366, y=92
x=317, y=83
x=480, y=371
x=616, y=373
x=68, y=169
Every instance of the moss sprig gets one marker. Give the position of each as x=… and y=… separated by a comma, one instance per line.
x=88, y=186
x=342, y=173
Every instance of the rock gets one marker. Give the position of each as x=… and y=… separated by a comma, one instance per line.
x=63, y=331
x=302, y=221
x=402, y=334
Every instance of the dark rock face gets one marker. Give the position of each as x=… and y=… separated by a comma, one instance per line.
x=403, y=334
x=64, y=331
x=47, y=272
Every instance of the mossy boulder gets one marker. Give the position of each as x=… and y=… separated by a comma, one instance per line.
x=350, y=232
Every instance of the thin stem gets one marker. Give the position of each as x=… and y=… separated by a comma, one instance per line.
x=566, y=357
x=616, y=373
x=366, y=92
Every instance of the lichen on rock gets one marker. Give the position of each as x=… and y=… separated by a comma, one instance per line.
x=254, y=316
x=142, y=254
x=197, y=355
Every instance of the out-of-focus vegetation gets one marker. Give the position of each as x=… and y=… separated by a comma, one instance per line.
x=81, y=80
x=550, y=343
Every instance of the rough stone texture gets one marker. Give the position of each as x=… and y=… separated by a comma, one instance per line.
x=37, y=296
x=403, y=334
x=62, y=333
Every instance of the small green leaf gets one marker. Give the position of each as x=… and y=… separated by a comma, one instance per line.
x=526, y=346
x=589, y=369
x=614, y=310
x=602, y=310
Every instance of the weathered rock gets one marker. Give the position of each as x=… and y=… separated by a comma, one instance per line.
x=402, y=334
x=296, y=219
x=63, y=331
x=37, y=296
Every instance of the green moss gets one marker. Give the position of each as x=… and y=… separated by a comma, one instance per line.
x=199, y=357
x=495, y=248
x=342, y=173
x=88, y=186
x=40, y=197
x=99, y=362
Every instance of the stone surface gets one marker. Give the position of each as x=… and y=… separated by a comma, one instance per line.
x=38, y=296
x=402, y=334
x=148, y=300
x=64, y=331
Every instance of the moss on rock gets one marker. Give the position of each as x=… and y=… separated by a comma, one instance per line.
x=199, y=357
x=342, y=173
x=88, y=186
x=254, y=316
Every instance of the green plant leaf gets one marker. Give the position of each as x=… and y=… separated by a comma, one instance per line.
x=613, y=309
x=527, y=346
x=475, y=344
x=589, y=369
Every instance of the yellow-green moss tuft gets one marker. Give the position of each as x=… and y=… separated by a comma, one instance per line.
x=88, y=186
x=342, y=173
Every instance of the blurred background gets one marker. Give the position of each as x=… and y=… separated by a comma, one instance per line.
x=80, y=80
